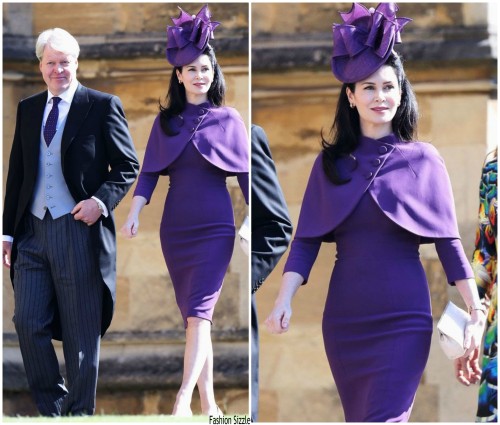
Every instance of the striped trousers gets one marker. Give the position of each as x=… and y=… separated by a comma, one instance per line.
x=56, y=272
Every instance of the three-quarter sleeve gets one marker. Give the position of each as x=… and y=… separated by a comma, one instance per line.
x=452, y=256
x=146, y=184
x=302, y=256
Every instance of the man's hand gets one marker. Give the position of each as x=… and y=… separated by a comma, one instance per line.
x=7, y=249
x=87, y=211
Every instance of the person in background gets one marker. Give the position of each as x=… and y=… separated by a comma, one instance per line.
x=484, y=263
x=198, y=143
x=378, y=193
x=271, y=233
x=72, y=161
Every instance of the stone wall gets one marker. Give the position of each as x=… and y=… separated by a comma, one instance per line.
x=450, y=57
x=122, y=52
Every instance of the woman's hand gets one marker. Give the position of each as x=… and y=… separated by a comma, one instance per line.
x=475, y=328
x=474, y=332
x=278, y=321
x=467, y=370
x=131, y=227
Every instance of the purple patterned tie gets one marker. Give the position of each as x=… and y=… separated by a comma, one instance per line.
x=51, y=123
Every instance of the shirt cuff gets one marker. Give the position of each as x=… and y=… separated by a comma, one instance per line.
x=7, y=238
x=105, y=212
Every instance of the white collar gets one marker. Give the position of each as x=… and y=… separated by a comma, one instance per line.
x=66, y=95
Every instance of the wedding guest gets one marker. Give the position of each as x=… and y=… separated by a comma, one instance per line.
x=198, y=143
x=378, y=193
x=72, y=161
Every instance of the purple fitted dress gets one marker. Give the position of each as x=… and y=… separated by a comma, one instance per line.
x=197, y=230
x=377, y=321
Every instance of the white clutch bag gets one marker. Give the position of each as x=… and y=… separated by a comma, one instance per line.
x=451, y=328
x=244, y=234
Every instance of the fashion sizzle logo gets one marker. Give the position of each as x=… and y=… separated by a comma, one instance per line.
x=229, y=420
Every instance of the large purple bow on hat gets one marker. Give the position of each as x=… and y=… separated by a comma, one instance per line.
x=189, y=36
x=362, y=44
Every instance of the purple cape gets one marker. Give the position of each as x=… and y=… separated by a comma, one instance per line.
x=218, y=133
x=408, y=181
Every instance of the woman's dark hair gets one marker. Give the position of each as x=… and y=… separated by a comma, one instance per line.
x=176, y=97
x=346, y=129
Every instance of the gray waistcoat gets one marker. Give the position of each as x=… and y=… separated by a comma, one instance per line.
x=51, y=192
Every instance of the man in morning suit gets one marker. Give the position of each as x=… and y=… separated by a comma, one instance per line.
x=271, y=233
x=71, y=163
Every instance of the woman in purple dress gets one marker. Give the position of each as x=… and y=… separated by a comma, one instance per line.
x=197, y=143
x=378, y=194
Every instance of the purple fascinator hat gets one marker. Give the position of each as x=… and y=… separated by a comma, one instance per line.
x=364, y=42
x=189, y=36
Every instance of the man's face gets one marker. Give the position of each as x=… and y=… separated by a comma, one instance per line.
x=58, y=70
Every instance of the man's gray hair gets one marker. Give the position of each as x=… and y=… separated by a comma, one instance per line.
x=60, y=40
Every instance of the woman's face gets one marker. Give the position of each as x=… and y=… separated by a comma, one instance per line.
x=376, y=98
x=197, y=78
